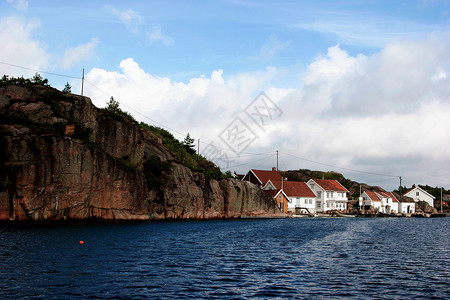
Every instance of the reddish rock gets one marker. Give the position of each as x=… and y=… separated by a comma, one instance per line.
x=45, y=175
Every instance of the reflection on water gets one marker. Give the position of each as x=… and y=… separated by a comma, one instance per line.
x=299, y=258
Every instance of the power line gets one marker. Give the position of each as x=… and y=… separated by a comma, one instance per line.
x=39, y=71
x=173, y=130
x=338, y=167
x=250, y=162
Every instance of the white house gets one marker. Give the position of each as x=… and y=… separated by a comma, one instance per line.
x=383, y=202
x=330, y=194
x=370, y=200
x=419, y=194
x=301, y=197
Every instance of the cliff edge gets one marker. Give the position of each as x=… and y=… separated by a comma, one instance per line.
x=108, y=168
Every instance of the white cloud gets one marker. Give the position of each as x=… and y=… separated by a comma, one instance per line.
x=134, y=21
x=156, y=35
x=79, y=53
x=272, y=46
x=130, y=18
x=19, y=47
x=364, y=29
x=19, y=4
x=385, y=113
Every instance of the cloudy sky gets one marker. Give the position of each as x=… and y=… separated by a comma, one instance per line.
x=358, y=87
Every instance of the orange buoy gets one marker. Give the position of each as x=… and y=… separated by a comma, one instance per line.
x=81, y=242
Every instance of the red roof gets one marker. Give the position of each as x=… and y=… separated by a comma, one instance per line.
x=297, y=189
x=276, y=184
x=372, y=196
x=265, y=176
x=389, y=195
x=330, y=185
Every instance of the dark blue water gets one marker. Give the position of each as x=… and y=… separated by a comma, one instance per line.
x=291, y=258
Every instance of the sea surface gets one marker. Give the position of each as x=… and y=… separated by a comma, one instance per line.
x=313, y=258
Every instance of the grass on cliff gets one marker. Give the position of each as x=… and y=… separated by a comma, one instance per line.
x=186, y=154
x=184, y=151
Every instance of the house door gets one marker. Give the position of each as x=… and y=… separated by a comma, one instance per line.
x=388, y=209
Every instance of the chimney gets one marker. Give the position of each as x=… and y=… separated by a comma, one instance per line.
x=274, y=169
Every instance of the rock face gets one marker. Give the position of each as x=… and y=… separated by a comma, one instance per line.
x=98, y=173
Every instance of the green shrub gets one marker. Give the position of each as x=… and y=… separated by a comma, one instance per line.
x=118, y=114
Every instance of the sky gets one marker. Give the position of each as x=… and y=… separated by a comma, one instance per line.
x=357, y=87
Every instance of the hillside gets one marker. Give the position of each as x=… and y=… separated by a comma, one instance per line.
x=110, y=167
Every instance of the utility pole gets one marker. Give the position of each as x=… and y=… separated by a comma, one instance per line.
x=400, y=188
x=198, y=146
x=361, y=202
x=277, y=160
x=82, y=83
x=441, y=201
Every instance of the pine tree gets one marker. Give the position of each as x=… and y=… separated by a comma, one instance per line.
x=38, y=79
x=67, y=88
x=188, y=144
x=113, y=105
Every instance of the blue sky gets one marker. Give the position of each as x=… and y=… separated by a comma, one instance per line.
x=337, y=69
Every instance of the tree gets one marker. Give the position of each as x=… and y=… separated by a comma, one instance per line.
x=113, y=105
x=38, y=79
x=67, y=88
x=188, y=144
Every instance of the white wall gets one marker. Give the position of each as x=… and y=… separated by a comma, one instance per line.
x=303, y=202
x=420, y=195
x=403, y=207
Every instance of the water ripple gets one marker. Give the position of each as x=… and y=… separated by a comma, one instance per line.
x=266, y=259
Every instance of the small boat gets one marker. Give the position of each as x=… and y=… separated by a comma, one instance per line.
x=345, y=215
x=302, y=216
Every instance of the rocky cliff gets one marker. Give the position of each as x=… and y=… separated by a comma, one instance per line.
x=100, y=171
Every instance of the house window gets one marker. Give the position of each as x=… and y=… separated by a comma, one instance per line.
x=318, y=204
x=319, y=194
x=328, y=204
x=279, y=197
x=312, y=185
x=310, y=201
x=417, y=193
